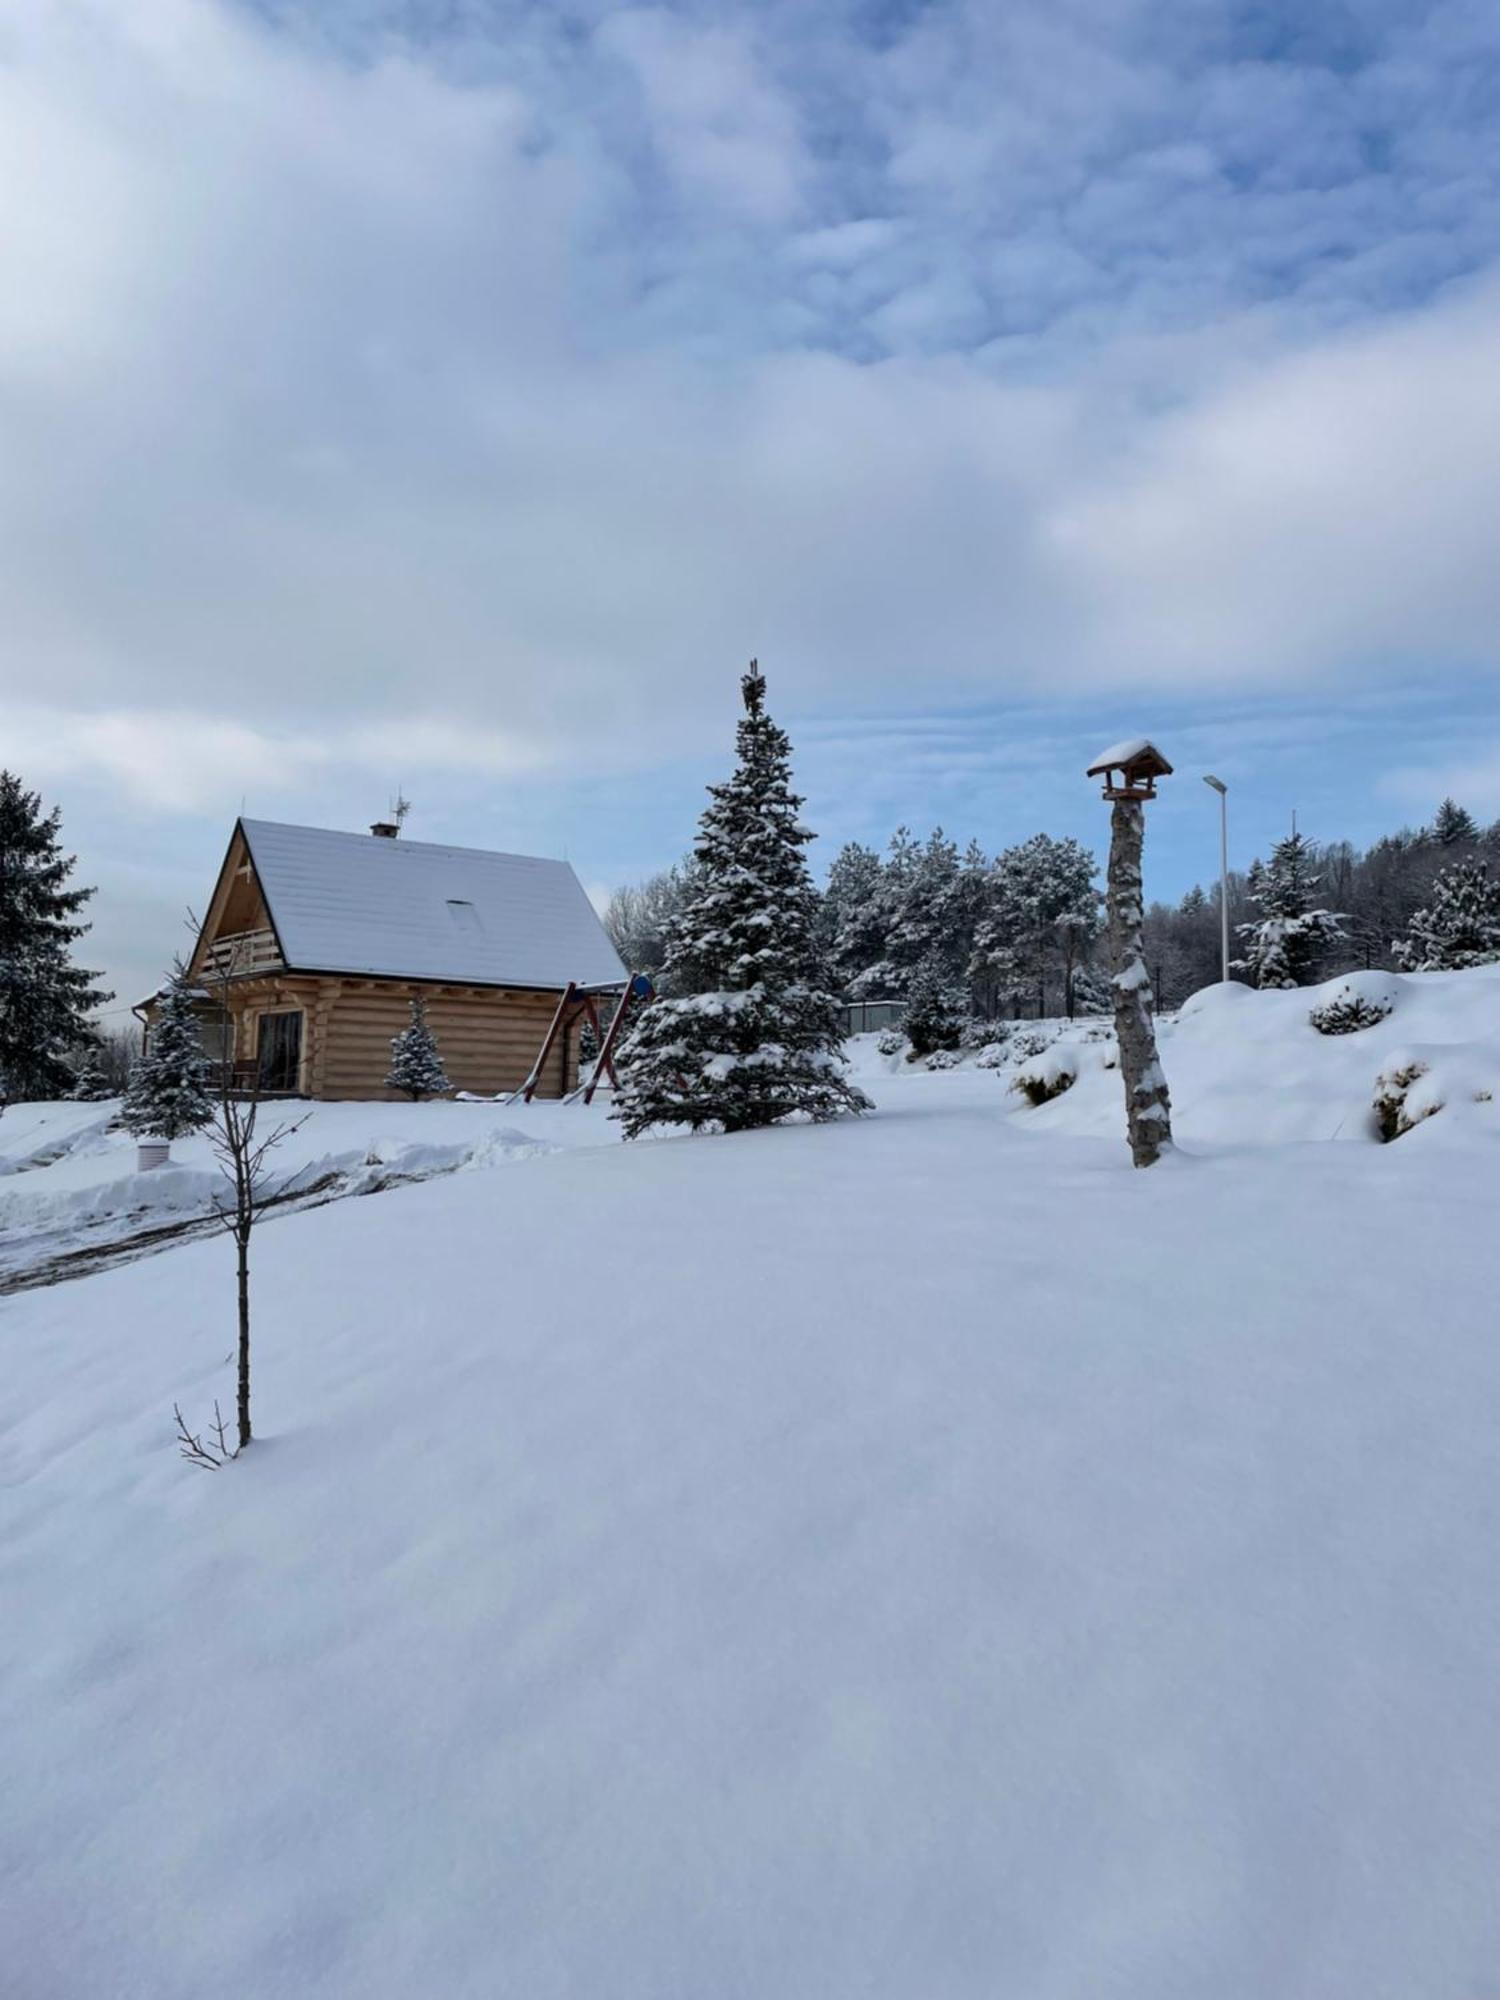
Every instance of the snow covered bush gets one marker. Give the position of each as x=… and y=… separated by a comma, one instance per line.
x=170, y=1092
x=944, y=1059
x=1047, y=1075
x=750, y=1033
x=980, y=1034
x=1352, y=1006
x=891, y=1042
x=1398, y=1104
x=994, y=1055
x=416, y=1066
x=1028, y=1042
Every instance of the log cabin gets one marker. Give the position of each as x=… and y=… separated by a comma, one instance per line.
x=316, y=942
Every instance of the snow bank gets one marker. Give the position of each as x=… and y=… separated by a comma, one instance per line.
x=1250, y=1069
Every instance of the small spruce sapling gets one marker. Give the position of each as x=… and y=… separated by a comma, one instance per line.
x=170, y=1092
x=416, y=1066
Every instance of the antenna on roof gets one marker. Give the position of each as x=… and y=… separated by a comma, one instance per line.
x=387, y=829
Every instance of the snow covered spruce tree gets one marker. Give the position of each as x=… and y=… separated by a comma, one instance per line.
x=416, y=1066
x=1286, y=943
x=44, y=998
x=750, y=1034
x=90, y=1084
x=1460, y=926
x=1452, y=826
x=170, y=1092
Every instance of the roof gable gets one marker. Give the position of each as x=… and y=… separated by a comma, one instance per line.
x=405, y=909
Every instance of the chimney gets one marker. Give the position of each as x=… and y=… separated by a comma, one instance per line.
x=385, y=829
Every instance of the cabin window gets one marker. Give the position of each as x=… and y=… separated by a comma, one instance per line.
x=463, y=913
x=279, y=1049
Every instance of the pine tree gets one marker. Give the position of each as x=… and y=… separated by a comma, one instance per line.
x=1451, y=825
x=1043, y=916
x=925, y=924
x=44, y=998
x=852, y=916
x=416, y=1066
x=170, y=1092
x=1460, y=926
x=1288, y=940
x=756, y=1037
x=935, y=1010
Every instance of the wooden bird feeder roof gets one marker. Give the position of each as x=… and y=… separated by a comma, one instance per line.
x=1130, y=769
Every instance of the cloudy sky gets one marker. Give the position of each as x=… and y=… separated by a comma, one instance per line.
x=453, y=394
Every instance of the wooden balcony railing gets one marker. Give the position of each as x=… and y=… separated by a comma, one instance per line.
x=241, y=952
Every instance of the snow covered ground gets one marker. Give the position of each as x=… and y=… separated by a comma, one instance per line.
x=69, y=1189
x=906, y=1558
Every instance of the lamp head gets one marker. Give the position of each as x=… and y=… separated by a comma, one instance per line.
x=1217, y=783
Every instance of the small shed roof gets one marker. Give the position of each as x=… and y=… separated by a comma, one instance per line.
x=1139, y=750
x=408, y=909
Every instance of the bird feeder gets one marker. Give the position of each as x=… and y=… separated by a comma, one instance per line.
x=1130, y=770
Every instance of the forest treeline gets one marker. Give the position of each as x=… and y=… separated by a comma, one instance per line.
x=1020, y=932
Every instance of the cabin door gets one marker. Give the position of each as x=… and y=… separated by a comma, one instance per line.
x=280, y=1051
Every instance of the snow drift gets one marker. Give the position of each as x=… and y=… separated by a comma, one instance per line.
x=1250, y=1069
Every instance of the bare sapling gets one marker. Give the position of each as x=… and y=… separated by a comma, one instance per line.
x=242, y=1144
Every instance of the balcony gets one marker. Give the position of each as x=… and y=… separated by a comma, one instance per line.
x=238, y=953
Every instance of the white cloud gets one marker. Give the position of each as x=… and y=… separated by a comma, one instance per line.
x=341, y=391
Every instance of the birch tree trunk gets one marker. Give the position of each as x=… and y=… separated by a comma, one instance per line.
x=1148, y=1108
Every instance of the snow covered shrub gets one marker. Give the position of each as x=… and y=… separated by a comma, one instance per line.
x=1347, y=1010
x=994, y=1055
x=1046, y=1075
x=982, y=1034
x=1029, y=1042
x=1396, y=1107
x=944, y=1059
x=891, y=1042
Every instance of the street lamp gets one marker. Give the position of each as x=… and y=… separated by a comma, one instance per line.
x=1223, y=791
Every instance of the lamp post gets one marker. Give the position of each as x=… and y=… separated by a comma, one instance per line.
x=1223, y=791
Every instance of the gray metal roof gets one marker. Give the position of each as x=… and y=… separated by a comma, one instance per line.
x=406, y=909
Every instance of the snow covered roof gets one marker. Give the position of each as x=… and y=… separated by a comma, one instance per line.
x=407, y=909
x=1127, y=753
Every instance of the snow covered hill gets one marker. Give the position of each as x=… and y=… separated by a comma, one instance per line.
x=909, y=1557
x=1251, y=1069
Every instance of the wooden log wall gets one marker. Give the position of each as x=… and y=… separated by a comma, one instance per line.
x=488, y=1038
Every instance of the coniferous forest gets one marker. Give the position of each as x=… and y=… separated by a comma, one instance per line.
x=1018, y=933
